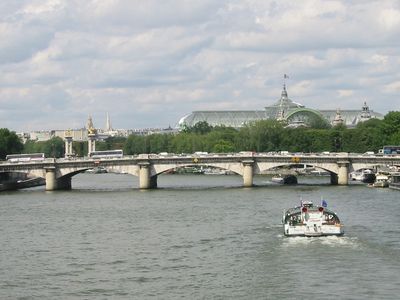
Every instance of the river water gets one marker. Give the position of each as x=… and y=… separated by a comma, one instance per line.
x=195, y=237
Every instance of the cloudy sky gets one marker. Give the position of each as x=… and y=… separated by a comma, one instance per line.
x=150, y=62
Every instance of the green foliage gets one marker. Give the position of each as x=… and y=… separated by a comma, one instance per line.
x=262, y=136
x=223, y=146
x=51, y=148
x=54, y=147
x=319, y=123
x=136, y=144
x=80, y=148
x=9, y=143
x=391, y=128
x=201, y=127
x=188, y=143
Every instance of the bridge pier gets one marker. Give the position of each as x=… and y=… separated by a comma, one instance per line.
x=51, y=181
x=343, y=174
x=146, y=181
x=248, y=173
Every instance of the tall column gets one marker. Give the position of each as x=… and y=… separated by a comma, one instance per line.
x=51, y=181
x=248, y=173
x=91, y=143
x=68, y=146
x=343, y=174
x=68, y=143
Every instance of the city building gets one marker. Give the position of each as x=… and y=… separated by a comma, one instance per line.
x=293, y=113
x=81, y=134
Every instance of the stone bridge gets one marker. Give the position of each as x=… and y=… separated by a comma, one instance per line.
x=58, y=172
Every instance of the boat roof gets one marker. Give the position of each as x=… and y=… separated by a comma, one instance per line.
x=297, y=209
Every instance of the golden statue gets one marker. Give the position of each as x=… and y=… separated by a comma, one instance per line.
x=68, y=133
x=90, y=127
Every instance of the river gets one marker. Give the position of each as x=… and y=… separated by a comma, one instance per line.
x=195, y=237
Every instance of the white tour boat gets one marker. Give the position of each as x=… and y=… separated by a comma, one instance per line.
x=381, y=180
x=310, y=220
x=284, y=179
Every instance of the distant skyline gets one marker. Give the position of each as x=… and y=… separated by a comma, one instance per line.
x=149, y=63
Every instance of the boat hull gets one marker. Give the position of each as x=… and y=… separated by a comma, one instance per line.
x=380, y=184
x=286, y=179
x=313, y=231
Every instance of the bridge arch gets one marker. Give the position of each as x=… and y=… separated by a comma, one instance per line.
x=160, y=169
x=331, y=168
x=299, y=166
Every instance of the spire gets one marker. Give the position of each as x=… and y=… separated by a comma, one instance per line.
x=283, y=102
x=108, y=124
x=284, y=92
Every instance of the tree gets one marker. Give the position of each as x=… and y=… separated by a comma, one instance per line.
x=223, y=146
x=201, y=127
x=391, y=127
x=264, y=135
x=80, y=148
x=220, y=139
x=54, y=147
x=135, y=144
x=9, y=143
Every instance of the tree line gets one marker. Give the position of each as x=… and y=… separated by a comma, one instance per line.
x=259, y=136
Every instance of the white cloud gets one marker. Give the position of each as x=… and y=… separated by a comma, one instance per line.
x=42, y=7
x=393, y=87
x=345, y=93
x=148, y=63
x=390, y=18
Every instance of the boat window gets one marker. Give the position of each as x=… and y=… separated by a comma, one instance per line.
x=293, y=219
x=331, y=218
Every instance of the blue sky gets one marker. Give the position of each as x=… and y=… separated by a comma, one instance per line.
x=148, y=63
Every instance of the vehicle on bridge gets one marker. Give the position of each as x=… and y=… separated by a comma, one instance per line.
x=309, y=220
x=391, y=150
x=106, y=154
x=27, y=157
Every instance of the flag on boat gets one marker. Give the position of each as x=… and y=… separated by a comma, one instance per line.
x=324, y=203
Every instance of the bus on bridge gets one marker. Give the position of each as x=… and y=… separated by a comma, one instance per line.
x=106, y=154
x=391, y=150
x=27, y=157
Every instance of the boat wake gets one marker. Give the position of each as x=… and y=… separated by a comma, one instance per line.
x=330, y=241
